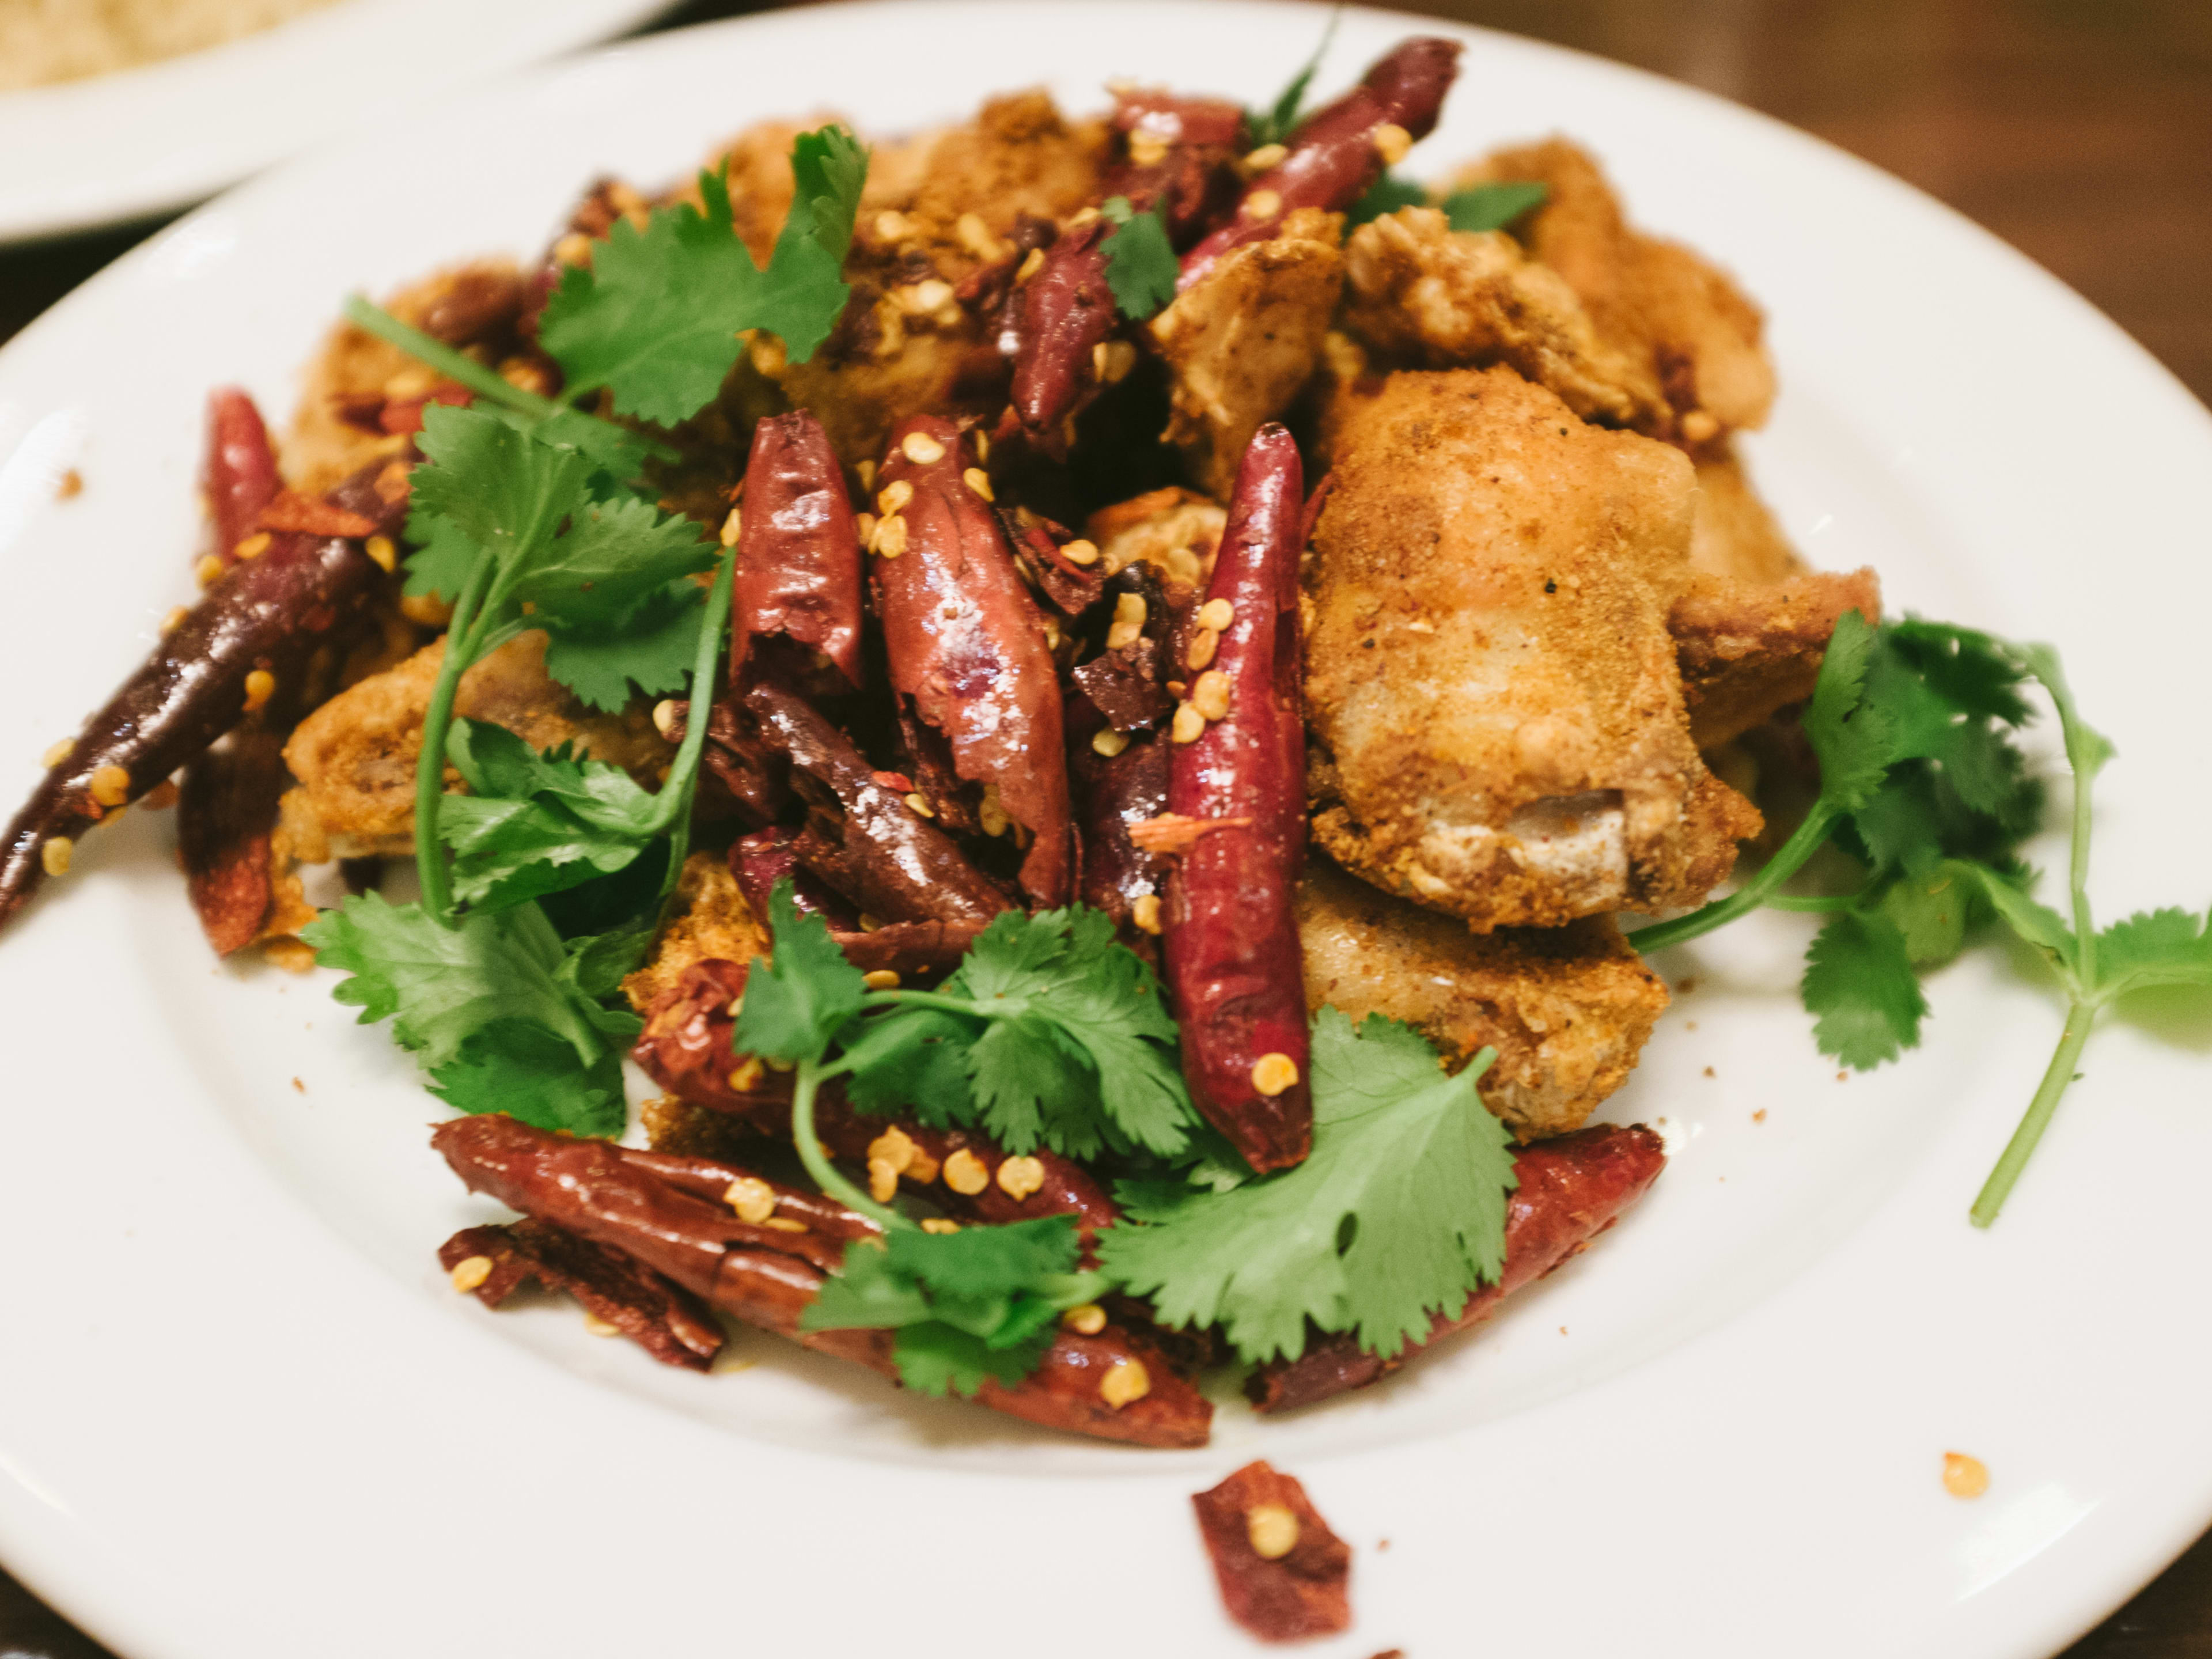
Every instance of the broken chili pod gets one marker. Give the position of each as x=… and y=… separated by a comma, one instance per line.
x=864, y=838
x=798, y=556
x=1570, y=1190
x=968, y=647
x=240, y=477
x=253, y=631
x=1339, y=151
x=227, y=813
x=672, y=1324
x=1236, y=762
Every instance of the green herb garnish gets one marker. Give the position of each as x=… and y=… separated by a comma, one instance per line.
x=1275, y=124
x=1141, y=267
x=1399, y=1214
x=1386, y=195
x=1493, y=207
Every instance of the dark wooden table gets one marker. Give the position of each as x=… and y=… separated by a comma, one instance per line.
x=2079, y=131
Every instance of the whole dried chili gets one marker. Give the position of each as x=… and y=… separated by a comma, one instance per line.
x=798, y=558
x=655, y=1211
x=1572, y=1190
x=1238, y=751
x=247, y=640
x=968, y=647
x=1339, y=150
x=1176, y=155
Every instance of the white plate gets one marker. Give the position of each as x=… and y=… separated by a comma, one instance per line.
x=152, y=139
x=241, y=1415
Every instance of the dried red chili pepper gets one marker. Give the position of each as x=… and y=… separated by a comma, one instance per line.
x=1284, y=1574
x=1175, y=157
x=245, y=641
x=226, y=812
x=659, y=1215
x=1231, y=954
x=798, y=558
x=655, y=1312
x=968, y=647
x=240, y=476
x=1572, y=1190
x=1333, y=156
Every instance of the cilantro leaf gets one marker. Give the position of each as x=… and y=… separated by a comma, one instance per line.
x=651, y=649
x=1141, y=267
x=805, y=992
x=1279, y=120
x=1494, y=206
x=1855, y=739
x=977, y=1302
x=916, y=1057
x=441, y=985
x=656, y=317
x=520, y=1068
x=537, y=824
x=1386, y=195
x=613, y=557
x=2156, y=947
x=1860, y=986
x=1396, y=1216
x=1075, y=1050
x=440, y=566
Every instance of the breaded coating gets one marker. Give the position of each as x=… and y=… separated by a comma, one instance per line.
x=1241, y=342
x=1736, y=535
x=1498, y=722
x=356, y=370
x=1429, y=297
x=937, y=221
x=1652, y=300
x=1745, y=649
x=714, y=919
x=1177, y=531
x=355, y=756
x=1567, y=1009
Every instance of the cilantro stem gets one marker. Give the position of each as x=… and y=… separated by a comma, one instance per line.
x=671, y=812
x=1817, y=907
x=812, y=1075
x=2080, y=1016
x=1759, y=891
x=455, y=366
x=437, y=720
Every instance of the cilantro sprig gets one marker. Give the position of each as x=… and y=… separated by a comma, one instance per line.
x=656, y=317
x=1398, y=1214
x=1494, y=206
x=1925, y=790
x=1275, y=123
x=1141, y=267
x=978, y=1303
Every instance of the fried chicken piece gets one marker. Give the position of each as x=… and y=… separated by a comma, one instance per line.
x=356, y=372
x=1498, y=721
x=1736, y=535
x=355, y=756
x=1430, y=297
x=1242, y=341
x=712, y=919
x=1567, y=1009
x=1176, y=531
x=938, y=220
x=1651, y=300
x=1746, y=649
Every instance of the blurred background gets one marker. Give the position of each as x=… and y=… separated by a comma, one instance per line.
x=2078, y=130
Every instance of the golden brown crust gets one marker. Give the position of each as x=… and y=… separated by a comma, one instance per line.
x=355, y=756
x=1568, y=1009
x=1429, y=297
x=1735, y=534
x=1493, y=691
x=1652, y=300
x=1746, y=649
x=1241, y=342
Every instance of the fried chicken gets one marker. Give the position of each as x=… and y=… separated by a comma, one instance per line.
x=355, y=756
x=1241, y=342
x=1499, y=724
x=1568, y=1009
x=1427, y=296
x=1653, y=300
